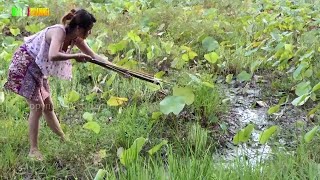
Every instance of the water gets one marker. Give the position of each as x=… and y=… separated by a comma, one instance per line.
x=242, y=113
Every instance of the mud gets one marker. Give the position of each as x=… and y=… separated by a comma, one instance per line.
x=244, y=110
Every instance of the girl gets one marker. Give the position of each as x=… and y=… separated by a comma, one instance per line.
x=44, y=54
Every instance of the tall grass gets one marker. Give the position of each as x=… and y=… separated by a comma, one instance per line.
x=280, y=166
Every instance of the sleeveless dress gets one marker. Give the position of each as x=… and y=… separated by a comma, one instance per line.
x=30, y=67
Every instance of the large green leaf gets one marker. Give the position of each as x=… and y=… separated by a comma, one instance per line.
x=173, y=104
x=88, y=116
x=254, y=66
x=62, y=102
x=210, y=44
x=283, y=100
x=247, y=132
x=116, y=47
x=308, y=73
x=192, y=54
x=185, y=57
x=316, y=87
x=299, y=101
x=309, y=135
x=116, y=101
x=238, y=137
x=313, y=96
x=150, y=55
x=91, y=97
x=303, y=88
x=212, y=57
x=244, y=76
x=314, y=110
x=167, y=46
x=276, y=36
x=210, y=85
x=266, y=134
x=288, y=47
x=273, y=109
x=156, y=115
x=100, y=174
x=285, y=56
x=133, y=36
x=73, y=96
x=307, y=55
x=111, y=79
x=131, y=64
x=229, y=78
x=8, y=40
x=178, y=63
x=157, y=147
x=185, y=92
x=185, y=48
x=244, y=134
x=5, y=55
x=159, y=74
x=93, y=126
x=15, y=31
x=131, y=154
x=302, y=66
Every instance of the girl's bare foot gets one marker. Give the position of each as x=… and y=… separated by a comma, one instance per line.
x=35, y=154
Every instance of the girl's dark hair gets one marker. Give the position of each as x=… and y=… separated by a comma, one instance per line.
x=80, y=17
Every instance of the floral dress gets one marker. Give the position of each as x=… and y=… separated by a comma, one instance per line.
x=30, y=67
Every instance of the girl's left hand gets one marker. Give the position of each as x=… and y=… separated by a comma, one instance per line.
x=82, y=57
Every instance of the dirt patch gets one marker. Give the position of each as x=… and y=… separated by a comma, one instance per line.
x=244, y=109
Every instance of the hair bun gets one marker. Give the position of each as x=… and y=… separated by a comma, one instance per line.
x=68, y=17
x=73, y=11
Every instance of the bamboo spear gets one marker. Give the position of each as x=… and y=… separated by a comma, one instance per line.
x=127, y=72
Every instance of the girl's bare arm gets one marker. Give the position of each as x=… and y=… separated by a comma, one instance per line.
x=57, y=37
x=83, y=46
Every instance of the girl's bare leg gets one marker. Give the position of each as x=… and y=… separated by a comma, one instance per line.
x=51, y=118
x=36, y=108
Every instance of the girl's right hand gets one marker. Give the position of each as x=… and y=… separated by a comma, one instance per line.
x=80, y=57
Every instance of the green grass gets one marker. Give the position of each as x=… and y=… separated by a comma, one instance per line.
x=76, y=158
x=281, y=165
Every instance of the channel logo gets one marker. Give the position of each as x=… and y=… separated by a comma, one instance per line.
x=28, y=11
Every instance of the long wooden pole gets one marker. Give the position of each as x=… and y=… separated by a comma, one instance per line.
x=127, y=72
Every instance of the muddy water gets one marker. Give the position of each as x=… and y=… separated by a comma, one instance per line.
x=242, y=113
x=244, y=110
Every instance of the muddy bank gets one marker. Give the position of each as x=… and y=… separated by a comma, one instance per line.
x=244, y=109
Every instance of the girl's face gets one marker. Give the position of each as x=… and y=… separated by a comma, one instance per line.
x=83, y=33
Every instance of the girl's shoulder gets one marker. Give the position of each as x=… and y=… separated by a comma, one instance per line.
x=47, y=28
x=40, y=35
